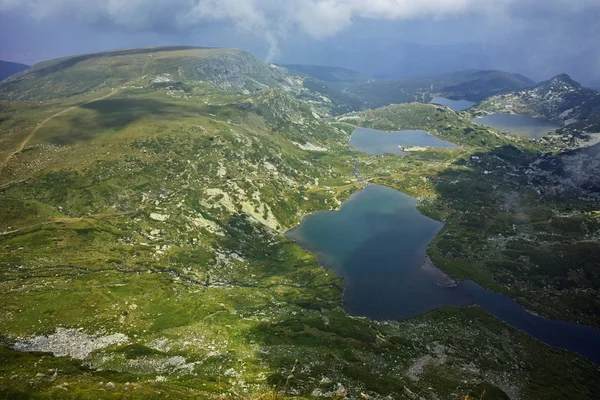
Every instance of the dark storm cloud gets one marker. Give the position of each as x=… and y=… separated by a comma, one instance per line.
x=556, y=36
x=273, y=19
x=542, y=35
x=554, y=10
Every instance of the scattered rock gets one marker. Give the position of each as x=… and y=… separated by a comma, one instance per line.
x=70, y=342
x=159, y=217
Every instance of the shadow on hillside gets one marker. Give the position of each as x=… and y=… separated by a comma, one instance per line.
x=119, y=112
x=116, y=114
x=294, y=334
x=72, y=61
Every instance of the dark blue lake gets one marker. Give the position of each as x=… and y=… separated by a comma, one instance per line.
x=379, y=142
x=521, y=125
x=456, y=105
x=377, y=243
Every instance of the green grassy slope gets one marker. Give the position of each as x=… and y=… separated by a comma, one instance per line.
x=140, y=242
x=70, y=76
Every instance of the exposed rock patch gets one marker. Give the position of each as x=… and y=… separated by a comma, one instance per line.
x=70, y=342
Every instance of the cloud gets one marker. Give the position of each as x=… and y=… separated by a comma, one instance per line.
x=318, y=18
x=276, y=19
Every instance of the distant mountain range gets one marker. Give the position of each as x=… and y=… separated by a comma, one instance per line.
x=349, y=90
x=333, y=90
x=391, y=57
x=10, y=68
x=325, y=73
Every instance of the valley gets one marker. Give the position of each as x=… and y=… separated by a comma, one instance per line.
x=144, y=201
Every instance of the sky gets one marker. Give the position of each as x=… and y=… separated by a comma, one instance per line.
x=386, y=38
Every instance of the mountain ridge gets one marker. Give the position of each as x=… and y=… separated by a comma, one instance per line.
x=355, y=93
x=65, y=77
x=561, y=80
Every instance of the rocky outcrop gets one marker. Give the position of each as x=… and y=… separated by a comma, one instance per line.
x=571, y=173
x=560, y=99
x=70, y=342
x=232, y=69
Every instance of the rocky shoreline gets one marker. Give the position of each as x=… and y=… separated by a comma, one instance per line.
x=439, y=277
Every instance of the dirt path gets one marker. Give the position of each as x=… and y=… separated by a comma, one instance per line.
x=65, y=219
x=44, y=122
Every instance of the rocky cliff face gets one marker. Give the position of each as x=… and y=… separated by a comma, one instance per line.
x=232, y=69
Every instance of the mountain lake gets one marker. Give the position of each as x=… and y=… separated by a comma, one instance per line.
x=456, y=105
x=377, y=142
x=377, y=243
x=521, y=125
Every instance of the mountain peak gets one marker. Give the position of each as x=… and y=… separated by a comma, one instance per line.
x=564, y=78
x=561, y=81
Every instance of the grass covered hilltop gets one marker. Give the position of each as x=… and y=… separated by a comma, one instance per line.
x=143, y=197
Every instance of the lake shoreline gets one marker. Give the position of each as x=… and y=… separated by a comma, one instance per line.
x=376, y=244
x=439, y=277
x=518, y=124
x=377, y=142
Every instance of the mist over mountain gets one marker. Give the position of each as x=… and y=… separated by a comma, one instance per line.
x=385, y=38
x=9, y=68
x=392, y=58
